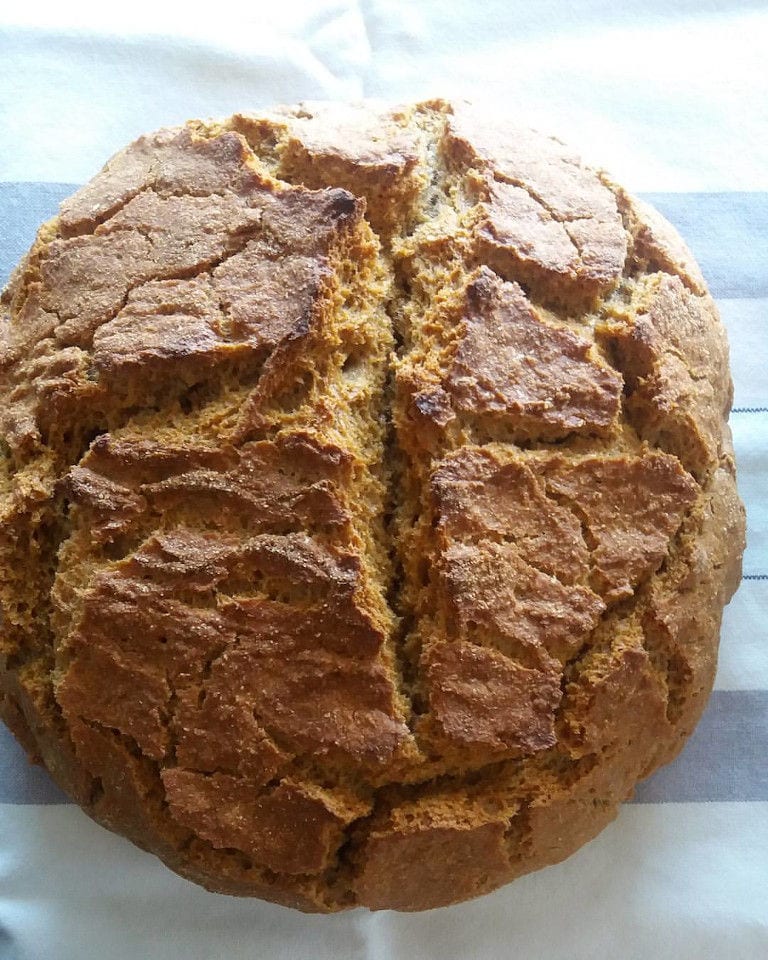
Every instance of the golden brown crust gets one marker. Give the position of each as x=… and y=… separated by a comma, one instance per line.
x=366, y=506
x=673, y=350
x=542, y=217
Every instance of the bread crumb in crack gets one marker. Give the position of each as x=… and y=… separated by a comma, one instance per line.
x=365, y=473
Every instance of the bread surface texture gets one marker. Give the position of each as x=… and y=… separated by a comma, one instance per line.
x=367, y=501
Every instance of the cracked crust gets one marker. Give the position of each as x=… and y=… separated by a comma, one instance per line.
x=367, y=501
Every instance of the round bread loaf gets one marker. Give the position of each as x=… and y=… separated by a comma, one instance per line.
x=368, y=504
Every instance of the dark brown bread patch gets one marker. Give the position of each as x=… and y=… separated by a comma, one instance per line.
x=291, y=829
x=630, y=507
x=459, y=848
x=490, y=591
x=507, y=372
x=479, y=698
x=492, y=492
x=509, y=361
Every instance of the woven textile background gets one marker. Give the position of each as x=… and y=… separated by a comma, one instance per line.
x=671, y=98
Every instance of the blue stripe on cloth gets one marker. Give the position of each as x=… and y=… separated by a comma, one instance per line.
x=8, y=949
x=750, y=441
x=22, y=781
x=727, y=232
x=725, y=759
x=747, y=324
x=728, y=235
x=23, y=208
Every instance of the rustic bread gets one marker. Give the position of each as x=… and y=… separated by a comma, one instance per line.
x=368, y=504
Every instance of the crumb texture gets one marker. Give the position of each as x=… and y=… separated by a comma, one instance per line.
x=367, y=502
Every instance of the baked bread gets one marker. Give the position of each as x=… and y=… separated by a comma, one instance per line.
x=368, y=503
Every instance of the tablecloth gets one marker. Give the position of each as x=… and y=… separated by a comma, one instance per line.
x=671, y=97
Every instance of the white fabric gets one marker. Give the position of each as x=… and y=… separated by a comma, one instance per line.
x=685, y=885
x=670, y=95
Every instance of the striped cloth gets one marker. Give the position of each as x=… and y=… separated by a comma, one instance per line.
x=683, y=872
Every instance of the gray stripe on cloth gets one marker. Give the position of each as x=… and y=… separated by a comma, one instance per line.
x=23, y=208
x=20, y=780
x=728, y=235
x=8, y=949
x=725, y=759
